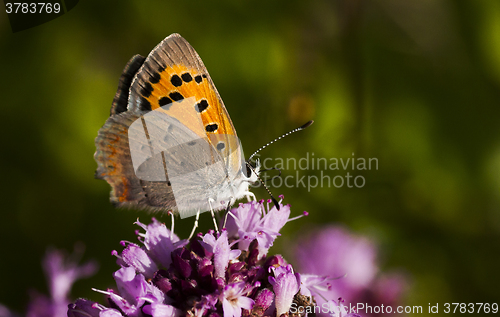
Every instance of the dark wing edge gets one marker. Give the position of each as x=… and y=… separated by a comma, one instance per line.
x=120, y=102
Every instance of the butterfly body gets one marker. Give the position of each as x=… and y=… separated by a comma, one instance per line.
x=169, y=143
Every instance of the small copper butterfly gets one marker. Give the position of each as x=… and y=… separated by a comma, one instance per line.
x=169, y=144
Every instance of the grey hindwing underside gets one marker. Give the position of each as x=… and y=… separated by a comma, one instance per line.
x=163, y=149
x=153, y=161
x=115, y=166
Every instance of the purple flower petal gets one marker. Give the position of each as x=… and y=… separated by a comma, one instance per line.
x=285, y=285
x=314, y=284
x=245, y=302
x=161, y=310
x=182, y=265
x=133, y=289
x=62, y=272
x=83, y=308
x=160, y=242
x=230, y=310
x=206, y=303
x=161, y=281
x=251, y=221
x=264, y=299
x=109, y=312
x=233, y=299
x=222, y=252
x=276, y=219
x=137, y=258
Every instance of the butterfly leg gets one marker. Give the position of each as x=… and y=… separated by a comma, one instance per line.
x=227, y=212
x=250, y=195
x=210, y=200
x=225, y=218
x=195, y=224
x=172, y=227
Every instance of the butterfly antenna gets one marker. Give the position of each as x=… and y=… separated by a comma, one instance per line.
x=270, y=169
x=279, y=138
x=275, y=202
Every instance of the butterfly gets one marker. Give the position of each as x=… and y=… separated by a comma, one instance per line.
x=169, y=143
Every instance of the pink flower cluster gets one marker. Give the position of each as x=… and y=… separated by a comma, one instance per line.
x=225, y=273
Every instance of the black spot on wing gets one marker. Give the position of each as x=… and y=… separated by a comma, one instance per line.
x=211, y=127
x=198, y=79
x=176, y=96
x=221, y=146
x=164, y=101
x=146, y=89
x=144, y=104
x=186, y=77
x=155, y=78
x=176, y=81
x=201, y=106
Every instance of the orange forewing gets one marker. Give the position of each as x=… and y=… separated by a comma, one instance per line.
x=200, y=90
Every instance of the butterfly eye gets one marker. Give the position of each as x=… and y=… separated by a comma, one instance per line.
x=246, y=170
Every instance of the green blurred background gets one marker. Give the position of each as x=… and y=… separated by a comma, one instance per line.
x=412, y=83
